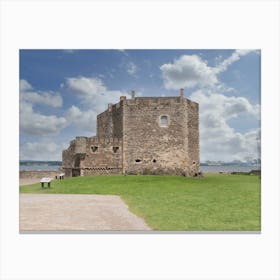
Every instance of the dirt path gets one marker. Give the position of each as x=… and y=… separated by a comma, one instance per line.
x=76, y=212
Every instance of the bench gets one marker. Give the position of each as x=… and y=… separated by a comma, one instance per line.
x=60, y=176
x=45, y=180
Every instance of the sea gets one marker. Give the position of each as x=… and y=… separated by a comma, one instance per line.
x=228, y=168
x=39, y=167
x=203, y=168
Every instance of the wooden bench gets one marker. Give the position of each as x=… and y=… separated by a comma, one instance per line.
x=61, y=176
x=46, y=180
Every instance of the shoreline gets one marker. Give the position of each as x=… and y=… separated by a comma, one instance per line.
x=27, y=177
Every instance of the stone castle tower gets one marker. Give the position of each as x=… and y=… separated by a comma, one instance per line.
x=141, y=135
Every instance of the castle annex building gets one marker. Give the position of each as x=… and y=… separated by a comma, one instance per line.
x=140, y=135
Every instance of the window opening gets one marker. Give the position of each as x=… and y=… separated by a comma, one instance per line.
x=115, y=149
x=94, y=149
x=163, y=120
x=154, y=161
x=138, y=160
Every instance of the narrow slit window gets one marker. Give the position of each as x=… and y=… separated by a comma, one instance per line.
x=138, y=160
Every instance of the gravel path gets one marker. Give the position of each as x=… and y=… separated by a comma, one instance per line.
x=76, y=212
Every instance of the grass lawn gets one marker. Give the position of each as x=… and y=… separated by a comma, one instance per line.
x=215, y=202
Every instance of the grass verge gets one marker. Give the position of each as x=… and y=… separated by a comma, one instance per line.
x=217, y=202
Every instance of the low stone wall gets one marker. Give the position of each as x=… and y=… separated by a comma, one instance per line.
x=30, y=174
x=101, y=171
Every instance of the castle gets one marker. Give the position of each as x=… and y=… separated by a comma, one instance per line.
x=140, y=135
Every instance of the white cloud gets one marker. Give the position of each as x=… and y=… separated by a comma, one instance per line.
x=93, y=93
x=191, y=71
x=131, y=69
x=38, y=124
x=43, y=98
x=84, y=86
x=48, y=98
x=242, y=52
x=85, y=120
x=227, y=107
x=94, y=96
x=46, y=150
x=35, y=123
x=236, y=55
x=24, y=85
x=123, y=52
x=188, y=71
x=219, y=141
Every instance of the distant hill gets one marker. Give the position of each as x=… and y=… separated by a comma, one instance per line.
x=236, y=163
x=39, y=162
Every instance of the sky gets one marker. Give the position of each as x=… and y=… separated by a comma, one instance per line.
x=62, y=91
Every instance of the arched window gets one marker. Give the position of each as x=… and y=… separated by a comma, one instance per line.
x=163, y=121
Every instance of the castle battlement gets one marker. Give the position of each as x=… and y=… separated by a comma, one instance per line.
x=106, y=140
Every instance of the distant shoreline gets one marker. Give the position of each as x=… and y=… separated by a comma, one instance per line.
x=228, y=168
x=203, y=168
x=39, y=167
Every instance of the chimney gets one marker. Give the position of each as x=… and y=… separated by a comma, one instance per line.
x=132, y=94
x=110, y=107
x=182, y=94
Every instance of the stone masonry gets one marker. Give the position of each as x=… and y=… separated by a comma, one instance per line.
x=141, y=135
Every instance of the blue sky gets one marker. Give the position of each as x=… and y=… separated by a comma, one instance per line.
x=62, y=92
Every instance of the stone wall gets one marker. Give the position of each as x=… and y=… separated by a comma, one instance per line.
x=145, y=135
x=71, y=157
x=102, y=153
x=99, y=155
x=101, y=171
x=34, y=174
x=80, y=145
x=110, y=122
x=193, y=137
x=152, y=147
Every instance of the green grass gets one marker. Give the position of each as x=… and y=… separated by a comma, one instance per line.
x=215, y=202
